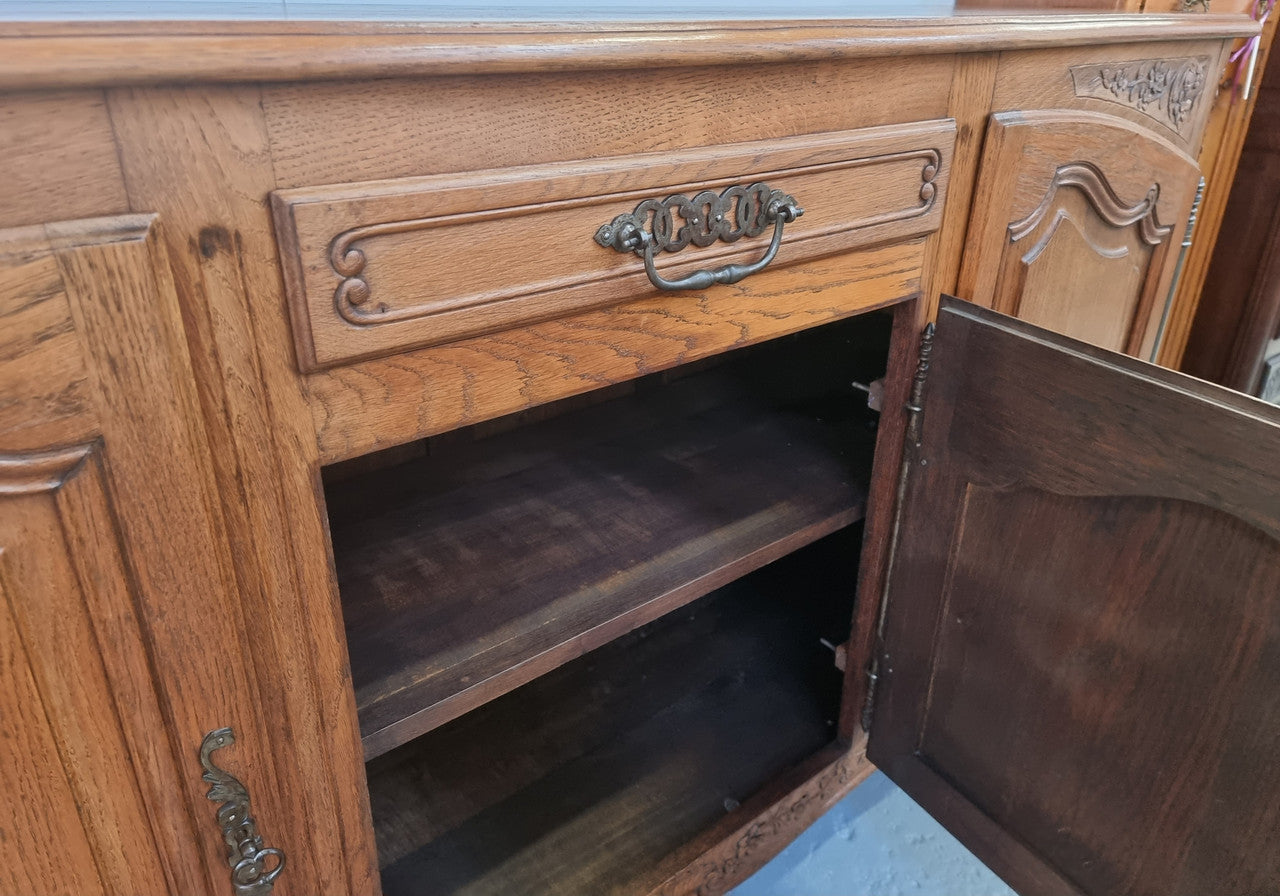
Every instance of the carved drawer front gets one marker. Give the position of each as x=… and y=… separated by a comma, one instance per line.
x=382, y=267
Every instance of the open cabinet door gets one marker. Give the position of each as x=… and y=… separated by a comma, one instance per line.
x=1079, y=671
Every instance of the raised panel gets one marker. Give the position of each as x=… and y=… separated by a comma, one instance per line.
x=46, y=398
x=1069, y=661
x=1076, y=225
x=83, y=751
x=1078, y=262
x=1083, y=632
x=110, y=554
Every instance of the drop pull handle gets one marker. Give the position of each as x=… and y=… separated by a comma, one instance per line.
x=706, y=218
x=254, y=865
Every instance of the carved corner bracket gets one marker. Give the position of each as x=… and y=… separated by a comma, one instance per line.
x=1109, y=207
x=1166, y=90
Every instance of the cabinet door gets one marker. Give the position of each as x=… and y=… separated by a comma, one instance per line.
x=1077, y=224
x=1081, y=649
x=108, y=552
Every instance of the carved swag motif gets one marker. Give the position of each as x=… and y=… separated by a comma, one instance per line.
x=1167, y=90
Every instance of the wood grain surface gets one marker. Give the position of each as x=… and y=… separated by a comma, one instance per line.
x=446, y=387
x=78, y=54
x=86, y=571
x=1239, y=310
x=191, y=542
x=1075, y=225
x=377, y=267
x=200, y=158
x=471, y=571
x=654, y=738
x=1080, y=641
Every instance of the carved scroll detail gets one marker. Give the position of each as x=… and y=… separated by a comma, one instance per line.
x=1109, y=207
x=247, y=854
x=1166, y=90
x=355, y=303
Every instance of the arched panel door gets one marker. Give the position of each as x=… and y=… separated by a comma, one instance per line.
x=1077, y=225
x=1082, y=637
x=108, y=551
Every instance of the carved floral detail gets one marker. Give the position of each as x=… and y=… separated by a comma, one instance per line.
x=1167, y=90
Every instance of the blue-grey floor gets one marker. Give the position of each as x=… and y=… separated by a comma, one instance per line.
x=874, y=842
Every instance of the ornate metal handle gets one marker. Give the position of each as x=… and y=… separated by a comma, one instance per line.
x=248, y=857
x=737, y=212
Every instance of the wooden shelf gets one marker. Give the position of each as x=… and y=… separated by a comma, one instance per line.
x=469, y=572
x=585, y=780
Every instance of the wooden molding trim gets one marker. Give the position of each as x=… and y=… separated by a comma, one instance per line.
x=77, y=54
x=36, y=472
x=1093, y=184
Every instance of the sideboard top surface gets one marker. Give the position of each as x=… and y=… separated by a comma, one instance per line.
x=41, y=55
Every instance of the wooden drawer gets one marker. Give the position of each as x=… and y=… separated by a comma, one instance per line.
x=382, y=267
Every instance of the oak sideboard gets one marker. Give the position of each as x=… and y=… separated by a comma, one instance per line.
x=510, y=459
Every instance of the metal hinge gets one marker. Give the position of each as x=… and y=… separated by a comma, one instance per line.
x=915, y=423
x=1187, y=239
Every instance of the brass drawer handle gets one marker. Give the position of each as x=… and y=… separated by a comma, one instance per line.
x=737, y=212
x=247, y=855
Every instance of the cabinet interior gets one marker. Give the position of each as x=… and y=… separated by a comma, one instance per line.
x=581, y=635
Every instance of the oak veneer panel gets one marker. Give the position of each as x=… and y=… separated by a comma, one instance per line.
x=381, y=266
x=44, y=809
x=585, y=780
x=53, y=610
x=87, y=338
x=374, y=130
x=458, y=586
x=445, y=387
x=47, y=399
x=60, y=158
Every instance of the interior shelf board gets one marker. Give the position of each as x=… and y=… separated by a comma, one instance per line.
x=587, y=779
x=454, y=595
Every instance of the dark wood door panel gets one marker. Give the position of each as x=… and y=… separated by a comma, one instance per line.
x=1083, y=640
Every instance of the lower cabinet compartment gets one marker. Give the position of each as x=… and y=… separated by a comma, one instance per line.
x=584, y=780
x=590, y=642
